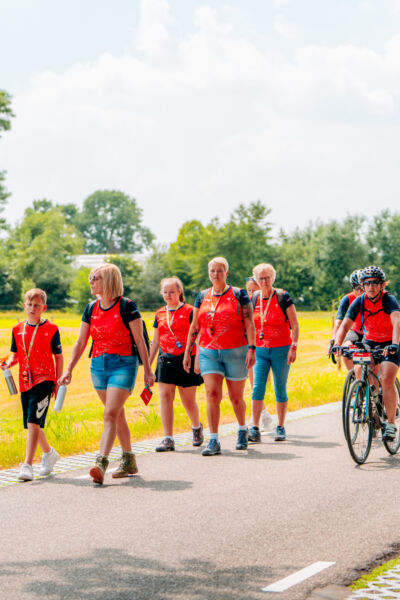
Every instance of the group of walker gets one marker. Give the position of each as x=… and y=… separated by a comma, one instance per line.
x=223, y=336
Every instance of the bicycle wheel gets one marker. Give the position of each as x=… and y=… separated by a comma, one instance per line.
x=393, y=446
x=350, y=377
x=358, y=422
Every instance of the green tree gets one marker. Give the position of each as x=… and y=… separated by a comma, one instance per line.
x=384, y=240
x=111, y=222
x=79, y=291
x=147, y=293
x=130, y=271
x=5, y=124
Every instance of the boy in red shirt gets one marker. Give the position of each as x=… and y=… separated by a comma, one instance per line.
x=36, y=346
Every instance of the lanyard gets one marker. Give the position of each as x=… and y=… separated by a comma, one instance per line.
x=214, y=308
x=169, y=323
x=263, y=314
x=28, y=353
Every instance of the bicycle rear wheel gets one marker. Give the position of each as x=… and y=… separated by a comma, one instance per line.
x=350, y=377
x=358, y=422
x=393, y=446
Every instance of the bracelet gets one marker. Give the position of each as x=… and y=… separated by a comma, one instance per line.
x=294, y=344
x=252, y=347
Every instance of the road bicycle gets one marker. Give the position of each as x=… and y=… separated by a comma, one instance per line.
x=364, y=412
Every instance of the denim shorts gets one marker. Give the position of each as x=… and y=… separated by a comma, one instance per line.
x=114, y=370
x=275, y=359
x=228, y=363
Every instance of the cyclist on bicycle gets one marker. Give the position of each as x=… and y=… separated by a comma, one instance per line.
x=356, y=333
x=380, y=317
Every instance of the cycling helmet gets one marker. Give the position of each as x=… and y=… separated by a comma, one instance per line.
x=373, y=271
x=355, y=278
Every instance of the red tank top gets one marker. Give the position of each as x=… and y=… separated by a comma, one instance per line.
x=357, y=325
x=227, y=329
x=378, y=325
x=108, y=332
x=179, y=321
x=41, y=361
x=276, y=330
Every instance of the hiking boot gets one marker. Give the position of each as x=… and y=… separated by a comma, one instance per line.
x=213, y=447
x=166, y=445
x=389, y=433
x=254, y=434
x=266, y=420
x=49, y=459
x=25, y=472
x=127, y=466
x=242, y=439
x=280, y=434
x=98, y=471
x=198, y=437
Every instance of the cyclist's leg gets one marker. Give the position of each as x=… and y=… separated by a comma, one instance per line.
x=388, y=375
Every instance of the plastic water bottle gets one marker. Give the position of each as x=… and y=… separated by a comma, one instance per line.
x=62, y=390
x=12, y=388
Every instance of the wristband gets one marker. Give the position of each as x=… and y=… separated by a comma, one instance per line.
x=294, y=344
x=252, y=347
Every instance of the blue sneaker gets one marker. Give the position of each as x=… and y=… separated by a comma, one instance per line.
x=254, y=434
x=280, y=434
x=389, y=432
x=242, y=440
x=214, y=447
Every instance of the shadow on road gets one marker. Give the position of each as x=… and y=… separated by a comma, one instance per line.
x=158, y=485
x=113, y=574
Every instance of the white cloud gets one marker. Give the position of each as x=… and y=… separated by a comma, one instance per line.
x=154, y=20
x=285, y=28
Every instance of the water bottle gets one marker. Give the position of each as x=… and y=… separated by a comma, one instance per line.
x=12, y=388
x=62, y=390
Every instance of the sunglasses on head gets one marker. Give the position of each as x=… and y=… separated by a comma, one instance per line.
x=94, y=277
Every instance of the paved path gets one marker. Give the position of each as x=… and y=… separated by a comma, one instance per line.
x=197, y=528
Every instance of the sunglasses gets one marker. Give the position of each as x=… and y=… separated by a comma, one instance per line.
x=370, y=282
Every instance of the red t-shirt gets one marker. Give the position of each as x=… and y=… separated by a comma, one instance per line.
x=179, y=321
x=41, y=362
x=227, y=329
x=357, y=326
x=276, y=330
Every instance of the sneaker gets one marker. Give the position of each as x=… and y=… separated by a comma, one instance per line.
x=254, y=434
x=25, y=472
x=49, y=459
x=127, y=466
x=242, y=439
x=98, y=471
x=280, y=434
x=389, y=433
x=198, y=437
x=266, y=420
x=166, y=445
x=214, y=447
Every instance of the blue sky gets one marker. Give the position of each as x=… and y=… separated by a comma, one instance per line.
x=193, y=107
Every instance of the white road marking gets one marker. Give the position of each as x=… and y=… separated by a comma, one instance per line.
x=298, y=577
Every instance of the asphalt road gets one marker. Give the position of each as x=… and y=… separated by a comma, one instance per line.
x=203, y=528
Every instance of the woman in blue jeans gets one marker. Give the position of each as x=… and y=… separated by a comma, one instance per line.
x=114, y=362
x=277, y=334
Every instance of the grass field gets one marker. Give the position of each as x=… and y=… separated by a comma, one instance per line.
x=313, y=380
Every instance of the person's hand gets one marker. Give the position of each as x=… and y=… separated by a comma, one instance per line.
x=149, y=378
x=292, y=355
x=65, y=379
x=250, y=358
x=390, y=349
x=187, y=362
x=336, y=349
x=331, y=343
x=197, y=365
x=4, y=366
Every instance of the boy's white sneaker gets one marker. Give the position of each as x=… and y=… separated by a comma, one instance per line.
x=25, y=472
x=49, y=459
x=266, y=420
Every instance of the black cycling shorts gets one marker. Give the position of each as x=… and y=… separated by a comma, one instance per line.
x=35, y=403
x=393, y=358
x=170, y=370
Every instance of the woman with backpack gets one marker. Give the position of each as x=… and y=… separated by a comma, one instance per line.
x=277, y=334
x=116, y=328
x=223, y=320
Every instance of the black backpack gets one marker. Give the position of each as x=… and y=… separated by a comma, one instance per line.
x=123, y=310
x=279, y=297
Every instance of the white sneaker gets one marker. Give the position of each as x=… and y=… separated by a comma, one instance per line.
x=25, y=472
x=266, y=420
x=49, y=459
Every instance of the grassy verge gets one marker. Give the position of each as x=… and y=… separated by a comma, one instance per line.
x=365, y=580
x=313, y=380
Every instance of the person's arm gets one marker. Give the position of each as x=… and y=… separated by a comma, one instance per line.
x=155, y=344
x=294, y=324
x=10, y=362
x=251, y=334
x=59, y=360
x=136, y=327
x=77, y=351
x=395, y=318
x=347, y=324
x=191, y=339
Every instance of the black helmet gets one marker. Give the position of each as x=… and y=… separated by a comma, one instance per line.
x=372, y=271
x=355, y=278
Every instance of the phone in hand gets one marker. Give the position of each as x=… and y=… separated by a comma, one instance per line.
x=146, y=395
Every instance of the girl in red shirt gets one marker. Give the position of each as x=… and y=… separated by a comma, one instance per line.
x=171, y=326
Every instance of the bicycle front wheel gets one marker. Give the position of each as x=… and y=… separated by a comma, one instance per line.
x=350, y=377
x=393, y=446
x=358, y=422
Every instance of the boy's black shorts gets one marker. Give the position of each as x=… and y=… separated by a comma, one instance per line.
x=35, y=403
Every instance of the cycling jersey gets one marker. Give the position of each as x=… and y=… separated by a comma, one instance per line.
x=221, y=319
x=275, y=331
x=375, y=317
x=344, y=305
x=179, y=321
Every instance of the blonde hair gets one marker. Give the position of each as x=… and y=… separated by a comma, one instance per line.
x=112, y=280
x=264, y=267
x=36, y=293
x=221, y=261
x=173, y=280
